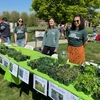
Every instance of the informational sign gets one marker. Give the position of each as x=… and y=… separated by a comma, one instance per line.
x=13, y=69
x=56, y=92
x=5, y=61
x=40, y=84
x=23, y=74
x=39, y=34
x=71, y=96
x=1, y=59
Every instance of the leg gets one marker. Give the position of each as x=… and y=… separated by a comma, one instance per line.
x=51, y=50
x=45, y=50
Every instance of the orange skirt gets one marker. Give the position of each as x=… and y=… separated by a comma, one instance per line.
x=76, y=55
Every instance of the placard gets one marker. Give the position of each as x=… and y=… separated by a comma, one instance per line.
x=39, y=33
x=71, y=96
x=5, y=61
x=23, y=74
x=13, y=69
x=40, y=84
x=56, y=92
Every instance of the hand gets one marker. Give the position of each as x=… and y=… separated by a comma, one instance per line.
x=55, y=51
x=42, y=49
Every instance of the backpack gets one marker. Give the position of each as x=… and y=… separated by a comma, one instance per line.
x=5, y=29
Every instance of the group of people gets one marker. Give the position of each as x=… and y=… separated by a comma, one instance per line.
x=76, y=35
x=77, y=38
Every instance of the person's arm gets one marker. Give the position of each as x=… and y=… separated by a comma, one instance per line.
x=57, y=40
x=26, y=37
x=85, y=43
x=15, y=38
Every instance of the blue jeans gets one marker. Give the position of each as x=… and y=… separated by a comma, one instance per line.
x=21, y=42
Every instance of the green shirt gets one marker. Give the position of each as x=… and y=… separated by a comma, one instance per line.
x=51, y=38
x=20, y=33
x=77, y=37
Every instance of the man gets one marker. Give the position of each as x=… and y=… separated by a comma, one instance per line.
x=5, y=29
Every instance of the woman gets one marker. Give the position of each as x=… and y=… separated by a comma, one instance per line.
x=50, y=39
x=77, y=39
x=20, y=35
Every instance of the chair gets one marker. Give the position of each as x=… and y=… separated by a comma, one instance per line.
x=29, y=47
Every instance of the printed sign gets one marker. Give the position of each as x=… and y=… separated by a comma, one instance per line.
x=23, y=74
x=40, y=84
x=13, y=69
x=5, y=61
x=56, y=92
x=39, y=33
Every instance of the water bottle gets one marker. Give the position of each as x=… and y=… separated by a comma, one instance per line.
x=8, y=40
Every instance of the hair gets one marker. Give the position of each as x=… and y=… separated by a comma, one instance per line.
x=81, y=26
x=22, y=25
x=5, y=19
x=49, y=27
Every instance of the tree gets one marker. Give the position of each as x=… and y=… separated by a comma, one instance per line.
x=6, y=14
x=14, y=16
x=63, y=10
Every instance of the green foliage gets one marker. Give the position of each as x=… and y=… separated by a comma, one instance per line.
x=65, y=9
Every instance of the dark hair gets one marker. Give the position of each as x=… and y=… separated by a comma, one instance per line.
x=5, y=19
x=18, y=20
x=81, y=26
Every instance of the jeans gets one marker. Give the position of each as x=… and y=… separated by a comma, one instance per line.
x=21, y=42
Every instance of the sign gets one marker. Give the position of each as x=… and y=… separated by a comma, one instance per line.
x=56, y=92
x=13, y=69
x=39, y=34
x=23, y=74
x=5, y=61
x=40, y=84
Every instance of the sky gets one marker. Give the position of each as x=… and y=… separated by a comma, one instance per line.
x=17, y=5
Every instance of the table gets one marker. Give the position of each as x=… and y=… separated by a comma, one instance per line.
x=35, y=55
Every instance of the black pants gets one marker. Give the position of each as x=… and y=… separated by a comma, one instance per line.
x=48, y=50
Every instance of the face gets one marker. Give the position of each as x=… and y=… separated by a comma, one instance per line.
x=51, y=22
x=20, y=21
x=77, y=21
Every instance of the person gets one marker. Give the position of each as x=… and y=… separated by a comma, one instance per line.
x=94, y=32
x=77, y=39
x=20, y=33
x=50, y=39
x=5, y=30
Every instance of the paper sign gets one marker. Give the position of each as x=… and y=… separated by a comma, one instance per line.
x=5, y=61
x=70, y=96
x=40, y=84
x=56, y=92
x=23, y=74
x=39, y=33
x=13, y=69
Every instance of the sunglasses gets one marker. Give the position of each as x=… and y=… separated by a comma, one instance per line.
x=76, y=21
x=20, y=21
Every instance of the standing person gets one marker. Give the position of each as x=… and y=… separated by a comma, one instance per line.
x=20, y=33
x=50, y=39
x=5, y=30
x=94, y=32
x=77, y=39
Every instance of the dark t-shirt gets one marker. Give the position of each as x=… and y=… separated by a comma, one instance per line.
x=76, y=37
x=20, y=33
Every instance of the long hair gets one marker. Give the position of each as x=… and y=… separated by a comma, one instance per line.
x=81, y=26
x=50, y=27
x=22, y=25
